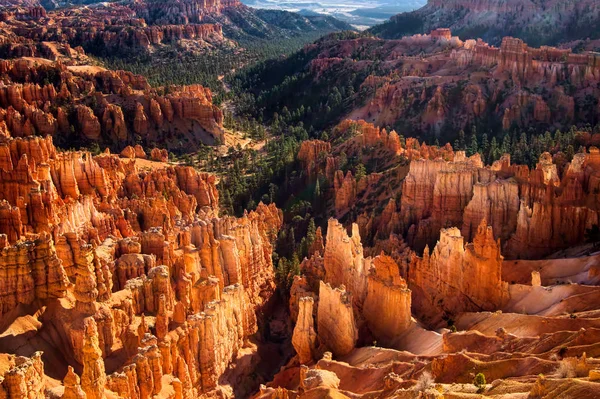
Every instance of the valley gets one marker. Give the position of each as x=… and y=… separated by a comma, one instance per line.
x=360, y=14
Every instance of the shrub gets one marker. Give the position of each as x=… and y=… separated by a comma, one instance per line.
x=424, y=382
x=566, y=369
x=479, y=381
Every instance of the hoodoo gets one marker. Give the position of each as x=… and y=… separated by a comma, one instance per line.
x=410, y=212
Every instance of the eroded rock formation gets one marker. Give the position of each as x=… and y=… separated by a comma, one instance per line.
x=527, y=209
x=96, y=105
x=130, y=261
x=457, y=277
x=336, y=325
x=304, y=338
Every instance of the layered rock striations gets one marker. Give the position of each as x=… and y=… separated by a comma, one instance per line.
x=431, y=85
x=387, y=306
x=354, y=294
x=528, y=209
x=112, y=27
x=101, y=105
x=456, y=277
x=335, y=321
x=388, y=154
x=550, y=23
x=133, y=265
x=304, y=337
x=313, y=154
x=31, y=270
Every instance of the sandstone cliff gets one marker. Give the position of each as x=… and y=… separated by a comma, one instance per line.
x=521, y=205
x=336, y=325
x=129, y=264
x=102, y=102
x=457, y=277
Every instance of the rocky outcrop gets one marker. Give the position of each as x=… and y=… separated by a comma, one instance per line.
x=335, y=321
x=133, y=152
x=86, y=285
x=313, y=154
x=72, y=385
x=145, y=271
x=26, y=379
x=497, y=202
x=381, y=300
x=113, y=123
x=387, y=307
x=128, y=152
x=96, y=105
x=304, y=338
x=457, y=277
x=93, y=378
x=521, y=205
x=425, y=95
x=344, y=262
x=31, y=271
x=345, y=191
x=437, y=193
x=140, y=121
x=363, y=134
x=159, y=155
x=182, y=13
x=116, y=28
x=88, y=123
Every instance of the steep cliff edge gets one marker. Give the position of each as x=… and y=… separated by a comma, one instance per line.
x=549, y=22
x=528, y=209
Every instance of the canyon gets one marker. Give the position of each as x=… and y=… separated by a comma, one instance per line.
x=135, y=28
x=437, y=84
x=443, y=290
x=534, y=212
x=180, y=241
x=138, y=283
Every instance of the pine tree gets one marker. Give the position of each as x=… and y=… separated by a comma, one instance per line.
x=461, y=140
x=317, y=194
x=570, y=152
x=506, y=145
x=361, y=171
x=311, y=232
x=485, y=144
x=272, y=192
x=473, y=145
x=294, y=268
x=495, y=152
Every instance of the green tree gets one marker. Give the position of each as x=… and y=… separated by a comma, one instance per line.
x=473, y=145
x=494, y=153
x=485, y=144
x=460, y=143
x=343, y=161
x=360, y=171
x=272, y=192
x=570, y=152
x=479, y=381
x=311, y=232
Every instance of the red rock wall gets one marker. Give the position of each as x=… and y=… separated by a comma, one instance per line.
x=457, y=277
